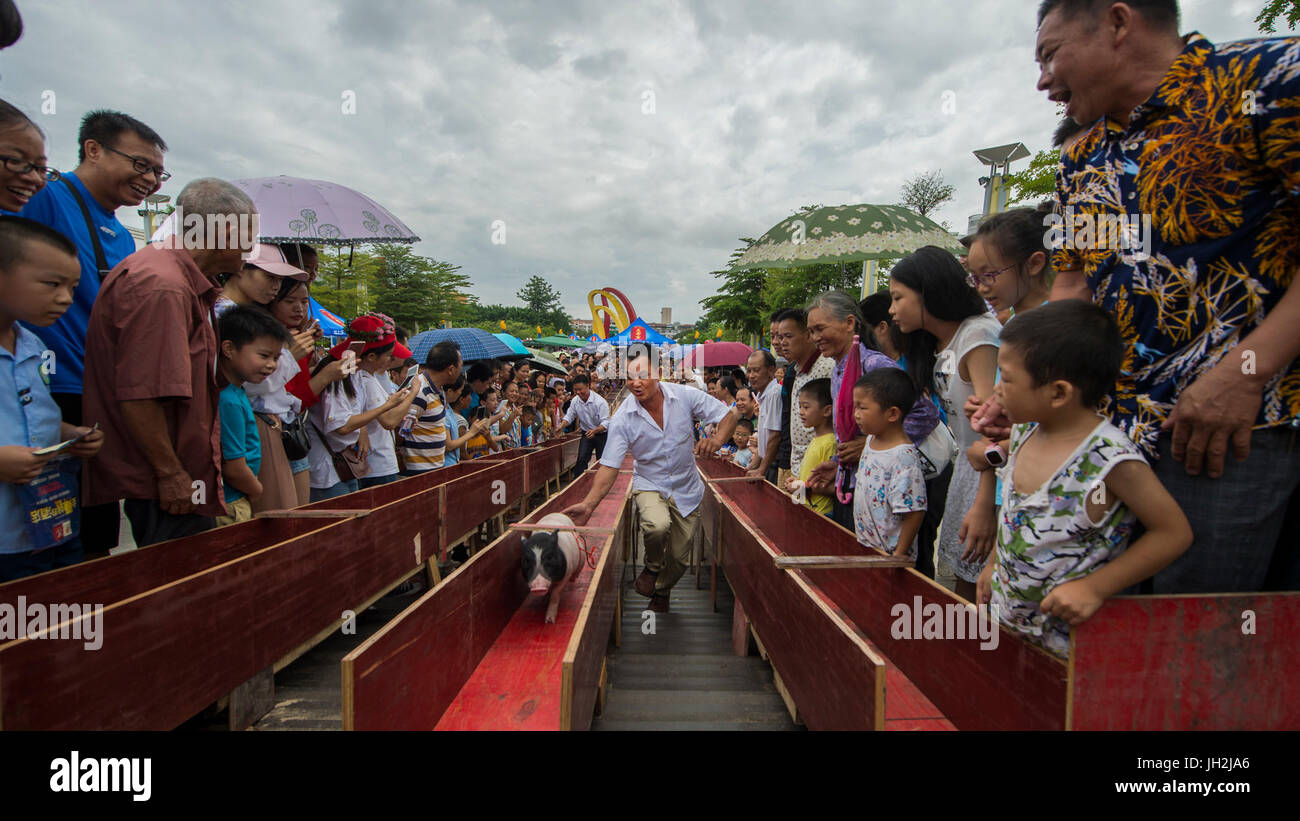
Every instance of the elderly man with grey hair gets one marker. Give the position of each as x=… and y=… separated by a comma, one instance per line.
x=150, y=383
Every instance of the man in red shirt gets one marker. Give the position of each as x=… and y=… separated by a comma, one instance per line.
x=150, y=382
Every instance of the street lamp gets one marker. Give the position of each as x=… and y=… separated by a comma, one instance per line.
x=998, y=159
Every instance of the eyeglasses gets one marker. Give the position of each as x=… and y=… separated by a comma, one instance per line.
x=142, y=165
x=17, y=165
x=974, y=280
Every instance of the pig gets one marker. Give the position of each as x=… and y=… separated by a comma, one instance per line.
x=551, y=560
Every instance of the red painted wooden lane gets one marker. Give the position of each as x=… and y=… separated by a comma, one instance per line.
x=128, y=574
x=406, y=675
x=835, y=679
x=584, y=658
x=518, y=685
x=114, y=578
x=1184, y=663
x=1013, y=686
x=169, y=652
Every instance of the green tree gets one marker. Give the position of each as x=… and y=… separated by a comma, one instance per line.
x=538, y=296
x=1267, y=18
x=1037, y=181
x=738, y=305
x=347, y=280
x=419, y=292
x=926, y=192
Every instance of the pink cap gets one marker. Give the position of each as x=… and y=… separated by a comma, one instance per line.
x=272, y=260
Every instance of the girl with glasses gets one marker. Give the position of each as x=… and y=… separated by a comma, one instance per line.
x=22, y=160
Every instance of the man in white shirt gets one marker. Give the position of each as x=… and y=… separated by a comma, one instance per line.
x=592, y=414
x=656, y=425
x=761, y=370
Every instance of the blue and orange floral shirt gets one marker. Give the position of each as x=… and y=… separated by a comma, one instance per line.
x=1186, y=221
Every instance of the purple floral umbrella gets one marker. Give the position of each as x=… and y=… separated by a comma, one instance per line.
x=293, y=209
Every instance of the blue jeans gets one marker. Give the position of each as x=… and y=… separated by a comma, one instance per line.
x=1236, y=519
x=375, y=481
x=341, y=489
x=20, y=565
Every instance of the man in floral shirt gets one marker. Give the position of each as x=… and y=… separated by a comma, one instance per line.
x=1178, y=214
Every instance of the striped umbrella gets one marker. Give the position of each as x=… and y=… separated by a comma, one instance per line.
x=475, y=344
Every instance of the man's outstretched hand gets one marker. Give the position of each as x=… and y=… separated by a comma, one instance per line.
x=579, y=513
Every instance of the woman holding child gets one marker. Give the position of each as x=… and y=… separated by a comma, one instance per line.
x=836, y=326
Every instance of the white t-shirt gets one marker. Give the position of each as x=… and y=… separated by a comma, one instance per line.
x=270, y=395
x=383, y=448
x=769, y=419
x=332, y=412
x=891, y=483
x=974, y=332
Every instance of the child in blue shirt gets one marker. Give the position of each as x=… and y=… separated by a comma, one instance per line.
x=251, y=340
x=38, y=277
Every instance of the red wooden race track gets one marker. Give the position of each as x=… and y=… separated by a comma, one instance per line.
x=475, y=653
x=187, y=621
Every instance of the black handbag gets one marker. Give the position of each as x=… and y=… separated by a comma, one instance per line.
x=294, y=436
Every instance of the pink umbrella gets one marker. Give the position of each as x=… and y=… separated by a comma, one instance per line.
x=293, y=209
x=719, y=354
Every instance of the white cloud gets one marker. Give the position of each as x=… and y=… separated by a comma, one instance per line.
x=468, y=112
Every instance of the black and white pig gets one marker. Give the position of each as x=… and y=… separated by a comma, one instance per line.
x=551, y=560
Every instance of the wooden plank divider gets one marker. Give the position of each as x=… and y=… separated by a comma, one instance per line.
x=298, y=513
x=562, y=528
x=835, y=562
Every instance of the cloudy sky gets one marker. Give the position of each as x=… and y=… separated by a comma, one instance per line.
x=622, y=144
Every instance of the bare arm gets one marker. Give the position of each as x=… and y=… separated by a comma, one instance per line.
x=907, y=533
x=237, y=474
x=604, y=480
x=1167, y=536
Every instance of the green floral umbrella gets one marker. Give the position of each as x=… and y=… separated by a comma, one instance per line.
x=845, y=233
x=545, y=361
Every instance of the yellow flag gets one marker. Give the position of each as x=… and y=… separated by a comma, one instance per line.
x=503, y=324
x=697, y=334
x=719, y=333
x=539, y=329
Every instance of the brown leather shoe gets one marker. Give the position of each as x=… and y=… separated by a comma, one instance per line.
x=645, y=583
x=658, y=603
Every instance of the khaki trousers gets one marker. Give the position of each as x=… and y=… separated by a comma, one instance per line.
x=667, y=535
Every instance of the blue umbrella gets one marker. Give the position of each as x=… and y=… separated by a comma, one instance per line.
x=514, y=343
x=475, y=343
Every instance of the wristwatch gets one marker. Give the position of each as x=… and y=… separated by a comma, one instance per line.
x=995, y=455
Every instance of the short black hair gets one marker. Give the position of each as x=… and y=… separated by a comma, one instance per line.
x=744, y=423
x=443, y=355
x=818, y=390
x=401, y=333
x=12, y=117
x=1072, y=340
x=16, y=232
x=739, y=375
x=776, y=315
x=1160, y=13
x=581, y=379
x=797, y=315
x=105, y=126
x=479, y=372
x=243, y=324
x=890, y=388
x=11, y=24
x=769, y=361
x=1066, y=129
